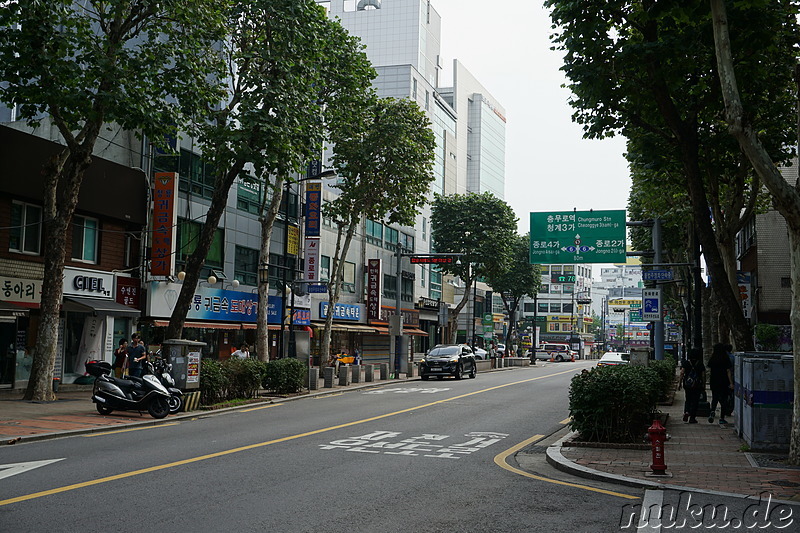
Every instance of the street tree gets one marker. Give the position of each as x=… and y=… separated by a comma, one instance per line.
x=519, y=279
x=482, y=227
x=642, y=66
x=780, y=51
x=384, y=158
x=292, y=73
x=83, y=68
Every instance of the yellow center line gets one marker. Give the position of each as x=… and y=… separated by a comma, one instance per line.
x=500, y=460
x=566, y=420
x=223, y=453
x=100, y=434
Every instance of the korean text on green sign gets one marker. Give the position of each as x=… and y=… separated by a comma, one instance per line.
x=577, y=237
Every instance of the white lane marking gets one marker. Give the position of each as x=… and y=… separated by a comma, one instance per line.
x=422, y=445
x=650, y=518
x=13, y=469
x=408, y=390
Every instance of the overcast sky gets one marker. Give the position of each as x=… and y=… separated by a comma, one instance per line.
x=549, y=166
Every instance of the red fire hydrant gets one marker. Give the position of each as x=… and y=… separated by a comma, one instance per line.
x=658, y=434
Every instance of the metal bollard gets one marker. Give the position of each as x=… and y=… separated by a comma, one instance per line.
x=369, y=375
x=658, y=434
x=356, y=373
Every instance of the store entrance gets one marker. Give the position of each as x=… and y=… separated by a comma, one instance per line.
x=8, y=353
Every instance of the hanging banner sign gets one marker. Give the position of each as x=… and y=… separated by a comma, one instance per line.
x=374, y=289
x=313, y=208
x=293, y=244
x=162, y=256
x=311, y=255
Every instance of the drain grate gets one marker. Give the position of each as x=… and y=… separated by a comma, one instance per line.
x=769, y=460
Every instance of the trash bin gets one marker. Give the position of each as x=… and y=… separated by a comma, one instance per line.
x=185, y=359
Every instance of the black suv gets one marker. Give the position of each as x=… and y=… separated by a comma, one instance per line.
x=448, y=360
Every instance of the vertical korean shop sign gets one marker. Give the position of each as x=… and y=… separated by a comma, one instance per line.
x=313, y=208
x=162, y=258
x=311, y=262
x=577, y=237
x=374, y=289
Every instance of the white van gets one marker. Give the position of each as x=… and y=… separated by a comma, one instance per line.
x=557, y=351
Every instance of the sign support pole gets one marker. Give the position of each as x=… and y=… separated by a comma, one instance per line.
x=658, y=327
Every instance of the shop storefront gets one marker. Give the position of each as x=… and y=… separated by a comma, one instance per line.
x=223, y=319
x=347, y=332
x=428, y=309
x=379, y=343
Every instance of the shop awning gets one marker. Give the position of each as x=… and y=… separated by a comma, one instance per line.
x=10, y=312
x=201, y=325
x=379, y=330
x=345, y=327
x=91, y=305
x=254, y=326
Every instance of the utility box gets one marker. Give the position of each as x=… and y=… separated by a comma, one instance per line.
x=764, y=399
x=185, y=359
x=640, y=356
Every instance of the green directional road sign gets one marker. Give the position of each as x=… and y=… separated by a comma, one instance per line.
x=577, y=237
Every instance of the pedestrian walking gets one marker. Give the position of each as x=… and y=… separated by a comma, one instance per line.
x=721, y=381
x=693, y=381
x=136, y=354
x=242, y=353
x=120, y=358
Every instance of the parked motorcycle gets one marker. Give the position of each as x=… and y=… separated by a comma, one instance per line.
x=163, y=371
x=133, y=394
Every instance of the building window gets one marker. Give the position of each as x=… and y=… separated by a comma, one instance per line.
x=427, y=100
x=569, y=269
x=349, y=277
x=407, y=241
x=245, y=265
x=542, y=307
x=391, y=239
x=407, y=290
x=424, y=229
x=422, y=276
x=249, y=195
x=555, y=308
x=528, y=307
x=189, y=234
x=435, y=284
x=389, y=286
x=544, y=289
x=567, y=308
x=26, y=228
x=324, y=268
x=374, y=233
x=84, y=239
x=414, y=88
x=544, y=270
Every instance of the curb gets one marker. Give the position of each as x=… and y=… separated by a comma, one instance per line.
x=559, y=462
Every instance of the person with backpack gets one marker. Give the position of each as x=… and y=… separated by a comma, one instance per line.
x=721, y=381
x=693, y=381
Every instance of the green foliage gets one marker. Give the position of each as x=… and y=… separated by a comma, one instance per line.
x=284, y=376
x=613, y=404
x=480, y=226
x=767, y=336
x=244, y=377
x=520, y=278
x=665, y=370
x=213, y=382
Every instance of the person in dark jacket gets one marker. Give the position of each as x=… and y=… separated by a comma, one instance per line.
x=721, y=381
x=693, y=381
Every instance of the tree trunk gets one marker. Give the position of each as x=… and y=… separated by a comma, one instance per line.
x=267, y=221
x=453, y=322
x=335, y=284
x=63, y=178
x=786, y=197
x=197, y=259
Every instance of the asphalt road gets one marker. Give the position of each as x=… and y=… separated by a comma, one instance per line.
x=414, y=456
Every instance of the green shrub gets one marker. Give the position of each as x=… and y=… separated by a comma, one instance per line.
x=213, y=382
x=665, y=370
x=244, y=377
x=284, y=376
x=613, y=404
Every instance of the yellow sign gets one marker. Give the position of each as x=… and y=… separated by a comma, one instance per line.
x=558, y=318
x=293, y=244
x=619, y=302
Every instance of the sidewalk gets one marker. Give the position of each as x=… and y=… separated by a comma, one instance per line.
x=705, y=457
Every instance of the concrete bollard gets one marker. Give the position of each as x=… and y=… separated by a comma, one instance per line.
x=410, y=372
x=355, y=373
x=327, y=374
x=384, y=371
x=344, y=376
x=369, y=376
x=313, y=378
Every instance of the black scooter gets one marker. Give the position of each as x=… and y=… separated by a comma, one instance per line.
x=163, y=371
x=134, y=394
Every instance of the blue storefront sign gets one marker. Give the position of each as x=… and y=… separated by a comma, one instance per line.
x=341, y=311
x=302, y=317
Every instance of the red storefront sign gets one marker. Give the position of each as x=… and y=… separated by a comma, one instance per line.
x=374, y=289
x=128, y=290
x=162, y=256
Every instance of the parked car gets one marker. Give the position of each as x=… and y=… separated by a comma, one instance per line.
x=500, y=350
x=448, y=360
x=480, y=354
x=614, y=359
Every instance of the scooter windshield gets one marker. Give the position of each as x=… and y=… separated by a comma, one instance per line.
x=151, y=379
